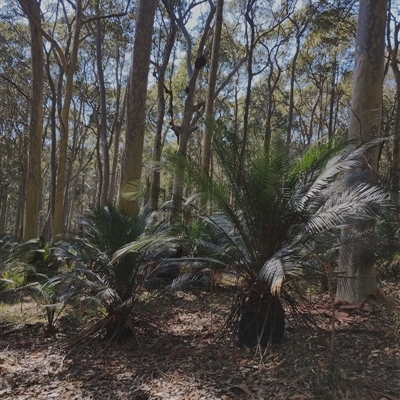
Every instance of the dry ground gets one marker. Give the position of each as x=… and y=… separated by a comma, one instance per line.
x=184, y=361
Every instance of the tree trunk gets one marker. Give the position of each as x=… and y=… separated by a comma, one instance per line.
x=212, y=80
x=299, y=33
x=31, y=9
x=395, y=167
x=131, y=168
x=161, y=89
x=357, y=281
x=192, y=112
x=103, y=111
x=116, y=129
x=249, y=21
x=117, y=135
x=3, y=206
x=69, y=70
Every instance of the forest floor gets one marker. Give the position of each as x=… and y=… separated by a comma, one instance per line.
x=183, y=360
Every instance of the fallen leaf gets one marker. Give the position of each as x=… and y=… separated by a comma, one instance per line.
x=245, y=389
x=378, y=395
x=298, y=396
x=321, y=365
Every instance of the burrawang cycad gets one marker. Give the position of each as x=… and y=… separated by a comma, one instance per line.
x=275, y=217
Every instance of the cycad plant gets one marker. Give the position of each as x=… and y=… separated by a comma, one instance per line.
x=30, y=268
x=273, y=213
x=114, y=285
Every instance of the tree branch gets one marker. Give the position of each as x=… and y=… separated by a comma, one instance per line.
x=15, y=85
x=97, y=17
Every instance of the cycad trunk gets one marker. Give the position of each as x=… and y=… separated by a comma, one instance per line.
x=262, y=319
x=356, y=270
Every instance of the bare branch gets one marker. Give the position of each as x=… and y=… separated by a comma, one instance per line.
x=15, y=85
x=97, y=17
x=229, y=77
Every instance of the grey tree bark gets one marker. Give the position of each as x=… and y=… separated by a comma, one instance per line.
x=357, y=279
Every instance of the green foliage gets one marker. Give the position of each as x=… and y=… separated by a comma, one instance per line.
x=115, y=285
x=276, y=212
x=32, y=267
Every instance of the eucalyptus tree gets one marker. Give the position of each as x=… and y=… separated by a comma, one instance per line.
x=192, y=111
x=68, y=59
x=393, y=41
x=193, y=102
x=131, y=166
x=31, y=9
x=109, y=30
x=167, y=29
x=212, y=80
x=319, y=73
x=357, y=278
x=15, y=86
x=300, y=24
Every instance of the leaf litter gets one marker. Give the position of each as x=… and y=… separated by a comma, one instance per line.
x=184, y=361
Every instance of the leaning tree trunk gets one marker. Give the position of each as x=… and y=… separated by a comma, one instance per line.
x=357, y=280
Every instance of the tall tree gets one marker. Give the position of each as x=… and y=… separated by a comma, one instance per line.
x=394, y=63
x=161, y=68
x=192, y=111
x=68, y=60
x=131, y=168
x=212, y=80
x=105, y=170
x=31, y=9
x=357, y=277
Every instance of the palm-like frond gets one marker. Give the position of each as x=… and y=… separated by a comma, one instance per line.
x=273, y=210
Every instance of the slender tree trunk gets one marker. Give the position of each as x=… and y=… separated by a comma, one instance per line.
x=332, y=100
x=69, y=70
x=395, y=167
x=103, y=111
x=31, y=225
x=47, y=229
x=3, y=206
x=299, y=34
x=20, y=217
x=161, y=89
x=356, y=281
x=131, y=169
x=116, y=129
x=212, y=80
x=192, y=112
x=250, y=22
x=117, y=135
